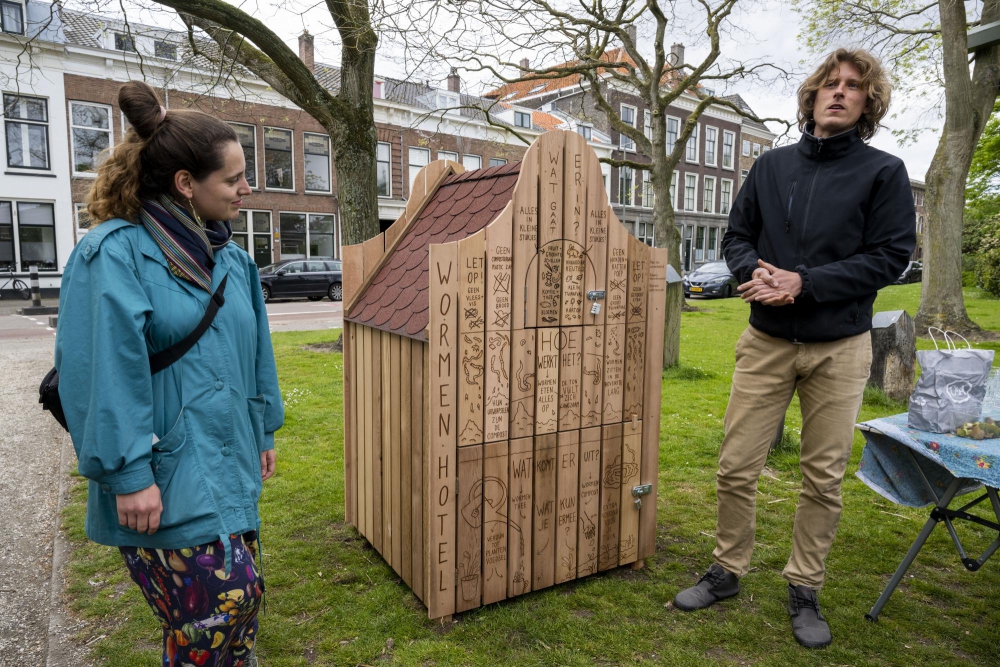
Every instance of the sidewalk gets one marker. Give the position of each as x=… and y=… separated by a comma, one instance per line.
x=36, y=454
x=10, y=306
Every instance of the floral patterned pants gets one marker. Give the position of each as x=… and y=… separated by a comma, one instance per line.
x=209, y=619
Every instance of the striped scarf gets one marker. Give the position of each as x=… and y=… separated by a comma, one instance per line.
x=189, y=247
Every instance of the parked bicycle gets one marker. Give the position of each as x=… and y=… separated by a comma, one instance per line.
x=14, y=283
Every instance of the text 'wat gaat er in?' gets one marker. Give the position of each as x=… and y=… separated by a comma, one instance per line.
x=502, y=379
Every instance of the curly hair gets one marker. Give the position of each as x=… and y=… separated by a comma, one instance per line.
x=874, y=82
x=158, y=145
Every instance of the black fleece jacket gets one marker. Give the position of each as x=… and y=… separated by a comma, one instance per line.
x=838, y=212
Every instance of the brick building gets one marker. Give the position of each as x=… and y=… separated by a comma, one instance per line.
x=706, y=179
x=62, y=113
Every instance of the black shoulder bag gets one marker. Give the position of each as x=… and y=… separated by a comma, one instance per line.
x=48, y=392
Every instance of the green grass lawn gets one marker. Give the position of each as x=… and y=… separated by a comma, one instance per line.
x=333, y=601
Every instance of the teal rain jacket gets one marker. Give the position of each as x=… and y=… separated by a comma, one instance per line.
x=213, y=411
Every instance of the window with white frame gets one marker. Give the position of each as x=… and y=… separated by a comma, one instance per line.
x=448, y=155
x=12, y=17
x=644, y=232
x=377, y=89
x=713, y=240
x=647, y=188
x=522, y=119
x=673, y=131
x=692, y=146
x=725, y=196
x=252, y=231
x=278, y=170
x=446, y=100
x=625, y=177
x=309, y=235
x=746, y=148
x=708, y=195
x=26, y=121
x=383, y=164
x=124, y=41
x=756, y=150
x=606, y=177
x=90, y=130
x=585, y=131
x=765, y=148
x=711, y=146
x=690, y=191
x=728, y=144
x=418, y=159
x=471, y=162
x=82, y=219
x=673, y=190
x=317, y=161
x=164, y=49
x=699, y=244
x=247, y=136
x=647, y=124
x=27, y=235
x=497, y=162
x=628, y=118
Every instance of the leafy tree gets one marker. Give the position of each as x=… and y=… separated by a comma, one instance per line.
x=926, y=46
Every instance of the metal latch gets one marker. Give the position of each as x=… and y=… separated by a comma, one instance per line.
x=594, y=295
x=639, y=491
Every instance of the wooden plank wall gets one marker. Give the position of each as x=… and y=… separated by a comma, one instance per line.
x=505, y=460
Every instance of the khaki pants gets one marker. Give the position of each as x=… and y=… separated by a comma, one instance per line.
x=830, y=379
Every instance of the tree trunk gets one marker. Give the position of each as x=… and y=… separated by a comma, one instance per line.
x=968, y=104
x=665, y=230
x=941, y=301
x=357, y=170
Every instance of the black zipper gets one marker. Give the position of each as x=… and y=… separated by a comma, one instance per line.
x=788, y=209
x=805, y=223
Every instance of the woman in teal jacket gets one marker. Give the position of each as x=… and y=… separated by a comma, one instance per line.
x=175, y=460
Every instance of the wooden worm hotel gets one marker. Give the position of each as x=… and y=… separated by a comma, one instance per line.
x=502, y=380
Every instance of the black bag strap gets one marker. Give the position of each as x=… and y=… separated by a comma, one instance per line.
x=163, y=358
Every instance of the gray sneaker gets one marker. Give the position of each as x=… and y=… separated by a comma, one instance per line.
x=808, y=625
x=715, y=585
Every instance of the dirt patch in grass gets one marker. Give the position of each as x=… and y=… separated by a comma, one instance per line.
x=333, y=346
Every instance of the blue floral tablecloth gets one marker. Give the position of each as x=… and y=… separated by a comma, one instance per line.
x=889, y=469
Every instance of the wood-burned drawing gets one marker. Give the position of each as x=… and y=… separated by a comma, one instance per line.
x=471, y=404
x=469, y=570
x=634, y=367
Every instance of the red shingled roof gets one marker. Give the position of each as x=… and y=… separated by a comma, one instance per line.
x=397, y=298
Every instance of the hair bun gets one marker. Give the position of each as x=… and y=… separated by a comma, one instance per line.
x=140, y=104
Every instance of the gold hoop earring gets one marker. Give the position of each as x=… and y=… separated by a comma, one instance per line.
x=194, y=212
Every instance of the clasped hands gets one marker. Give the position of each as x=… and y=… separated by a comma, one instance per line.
x=771, y=286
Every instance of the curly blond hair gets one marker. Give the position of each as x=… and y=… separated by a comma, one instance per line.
x=874, y=82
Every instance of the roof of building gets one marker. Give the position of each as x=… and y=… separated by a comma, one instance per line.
x=533, y=87
x=87, y=29
x=738, y=100
x=396, y=300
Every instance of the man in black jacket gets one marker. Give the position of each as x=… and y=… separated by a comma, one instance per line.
x=816, y=230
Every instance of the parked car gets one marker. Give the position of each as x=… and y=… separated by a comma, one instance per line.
x=712, y=279
x=311, y=278
x=913, y=273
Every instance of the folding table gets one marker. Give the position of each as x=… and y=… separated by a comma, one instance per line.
x=920, y=469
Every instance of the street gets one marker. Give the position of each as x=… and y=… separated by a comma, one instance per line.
x=283, y=315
